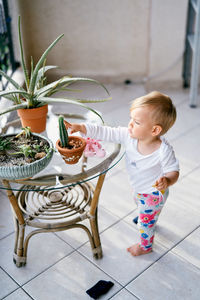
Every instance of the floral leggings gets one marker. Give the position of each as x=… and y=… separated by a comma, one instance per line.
x=149, y=207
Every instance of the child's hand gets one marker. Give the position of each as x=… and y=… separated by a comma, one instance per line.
x=162, y=183
x=75, y=127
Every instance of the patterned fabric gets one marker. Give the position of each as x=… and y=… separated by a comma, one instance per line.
x=149, y=207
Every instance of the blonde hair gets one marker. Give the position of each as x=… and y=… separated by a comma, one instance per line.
x=163, y=110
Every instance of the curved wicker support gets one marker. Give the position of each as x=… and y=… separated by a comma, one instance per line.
x=58, y=210
x=26, y=241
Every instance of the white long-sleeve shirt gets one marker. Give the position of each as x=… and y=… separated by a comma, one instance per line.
x=143, y=170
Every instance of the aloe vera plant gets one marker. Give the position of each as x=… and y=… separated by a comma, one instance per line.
x=36, y=92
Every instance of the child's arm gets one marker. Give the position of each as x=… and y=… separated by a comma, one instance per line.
x=169, y=179
x=75, y=127
x=104, y=133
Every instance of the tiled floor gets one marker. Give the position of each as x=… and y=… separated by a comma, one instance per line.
x=65, y=268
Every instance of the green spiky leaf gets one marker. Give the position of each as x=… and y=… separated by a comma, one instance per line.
x=40, y=62
x=14, y=107
x=22, y=56
x=13, y=82
x=20, y=92
x=69, y=101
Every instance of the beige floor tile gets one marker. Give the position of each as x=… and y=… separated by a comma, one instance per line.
x=186, y=192
x=76, y=236
x=6, y=217
x=187, y=150
x=187, y=120
x=169, y=278
x=7, y=285
x=178, y=96
x=124, y=295
x=175, y=221
x=120, y=117
x=195, y=176
x=68, y=279
x=116, y=195
x=117, y=262
x=18, y=295
x=189, y=248
x=44, y=250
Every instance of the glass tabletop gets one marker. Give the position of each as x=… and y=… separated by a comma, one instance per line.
x=58, y=174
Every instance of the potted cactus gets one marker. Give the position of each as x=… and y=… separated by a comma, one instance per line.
x=31, y=102
x=70, y=147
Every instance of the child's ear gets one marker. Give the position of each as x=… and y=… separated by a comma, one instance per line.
x=156, y=130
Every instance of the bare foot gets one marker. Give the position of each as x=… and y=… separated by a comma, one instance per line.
x=136, y=250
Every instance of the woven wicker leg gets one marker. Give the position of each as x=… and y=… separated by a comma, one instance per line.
x=97, y=252
x=13, y=202
x=16, y=224
x=18, y=257
x=19, y=226
x=93, y=219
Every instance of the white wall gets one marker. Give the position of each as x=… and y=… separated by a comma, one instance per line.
x=107, y=39
x=167, y=34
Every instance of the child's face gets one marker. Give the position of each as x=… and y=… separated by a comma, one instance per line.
x=141, y=125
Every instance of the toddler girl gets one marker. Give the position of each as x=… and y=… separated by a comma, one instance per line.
x=150, y=159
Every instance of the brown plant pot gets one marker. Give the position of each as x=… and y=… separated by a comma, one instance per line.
x=71, y=156
x=35, y=118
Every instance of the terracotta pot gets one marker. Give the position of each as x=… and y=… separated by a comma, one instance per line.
x=71, y=156
x=35, y=118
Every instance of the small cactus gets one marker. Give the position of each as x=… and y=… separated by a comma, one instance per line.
x=63, y=132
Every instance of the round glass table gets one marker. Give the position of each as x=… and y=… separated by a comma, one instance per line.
x=61, y=196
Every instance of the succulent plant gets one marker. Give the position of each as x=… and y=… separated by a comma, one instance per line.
x=26, y=131
x=4, y=144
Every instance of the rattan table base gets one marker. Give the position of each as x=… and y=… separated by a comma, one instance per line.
x=55, y=210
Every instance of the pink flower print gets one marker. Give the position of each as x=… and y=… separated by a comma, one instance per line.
x=146, y=218
x=153, y=200
x=144, y=195
x=144, y=242
x=151, y=239
x=151, y=225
